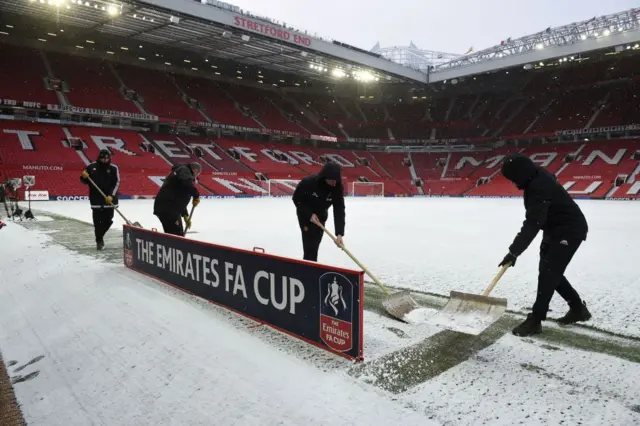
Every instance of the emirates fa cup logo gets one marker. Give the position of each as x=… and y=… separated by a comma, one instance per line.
x=336, y=311
x=128, y=249
x=127, y=242
x=334, y=297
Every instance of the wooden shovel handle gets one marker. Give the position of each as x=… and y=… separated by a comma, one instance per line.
x=496, y=279
x=104, y=195
x=335, y=240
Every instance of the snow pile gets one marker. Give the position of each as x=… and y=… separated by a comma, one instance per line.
x=470, y=323
x=118, y=351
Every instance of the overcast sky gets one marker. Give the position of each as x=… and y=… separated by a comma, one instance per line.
x=443, y=25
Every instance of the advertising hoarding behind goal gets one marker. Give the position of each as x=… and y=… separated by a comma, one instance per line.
x=319, y=304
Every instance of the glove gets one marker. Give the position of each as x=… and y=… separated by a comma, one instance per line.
x=509, y=258
x=196, y=201
x=187, y=221
x=84, y=174
x=109, y=199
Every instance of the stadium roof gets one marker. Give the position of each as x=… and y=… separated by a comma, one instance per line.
x=616, y=32
x=203, y=32
x=412, y=56
x=211, y=33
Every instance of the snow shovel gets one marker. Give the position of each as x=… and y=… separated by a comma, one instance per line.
x=398, y=304
x=471, y=313
x=186, y=228
x=115, y=208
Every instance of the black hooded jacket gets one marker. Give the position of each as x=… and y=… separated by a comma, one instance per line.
x=107, y=177
x=314, y=195
x=176, y=192
x=549, y=207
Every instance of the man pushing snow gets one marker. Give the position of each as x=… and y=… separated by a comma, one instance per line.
x=549, y=208
x=312, y=197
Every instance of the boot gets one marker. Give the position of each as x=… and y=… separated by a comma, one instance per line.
x=100, y=244
x=530, y=326
x=577, y=312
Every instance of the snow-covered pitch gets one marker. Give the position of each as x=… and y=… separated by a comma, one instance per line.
x=120, y=348
x=434, y=245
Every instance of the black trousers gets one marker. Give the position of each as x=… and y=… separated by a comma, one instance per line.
x=311, y=239
x=102, y=221
x=171, y=224
x=555, y=256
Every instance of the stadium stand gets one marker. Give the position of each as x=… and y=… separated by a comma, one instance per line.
x=92, y=83
x=218, y=105
x=444, y=174
x=158, y=93
x=525, y=115
x=24, y=76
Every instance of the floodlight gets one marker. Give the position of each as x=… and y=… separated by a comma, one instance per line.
x=365, y=76
x=337, y=72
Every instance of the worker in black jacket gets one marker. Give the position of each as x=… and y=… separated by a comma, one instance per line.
x=106, y=176
x=312, y=197
x=175, y=193
x=549, y=208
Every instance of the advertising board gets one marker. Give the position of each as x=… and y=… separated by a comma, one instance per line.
x=319, y=304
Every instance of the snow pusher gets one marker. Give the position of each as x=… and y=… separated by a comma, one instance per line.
x=137, y=224
x=398, y=304
x=472, y=313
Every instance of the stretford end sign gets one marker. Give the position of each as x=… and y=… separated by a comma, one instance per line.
x=318, y=304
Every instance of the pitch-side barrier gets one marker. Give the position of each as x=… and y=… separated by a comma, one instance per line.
x=319, y=304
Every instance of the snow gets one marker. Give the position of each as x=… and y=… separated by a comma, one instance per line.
x=118, y=351
x=434, y=245
x=517, y=381
x=464, y=322
x=384, y=336
x=123, y=349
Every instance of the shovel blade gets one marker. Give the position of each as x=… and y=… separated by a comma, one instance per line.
x=399, y=304
x=470, y=313
x=469, y=302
